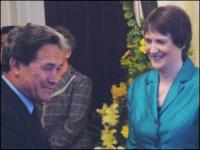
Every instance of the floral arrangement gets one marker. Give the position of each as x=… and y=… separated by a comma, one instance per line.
x=114, y=119
x=114, y=116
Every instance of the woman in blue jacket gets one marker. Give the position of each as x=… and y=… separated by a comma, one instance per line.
x=163, y=104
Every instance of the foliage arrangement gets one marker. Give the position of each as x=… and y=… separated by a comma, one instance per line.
x=135, y=59
x=114, y=116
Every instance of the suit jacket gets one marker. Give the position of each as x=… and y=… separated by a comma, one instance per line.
x=19, y=130
x=176, y=125
x=65, y=117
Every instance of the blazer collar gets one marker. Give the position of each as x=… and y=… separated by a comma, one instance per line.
x=152, y=77
x=186, y=71
x=178, y=85
x=152, y=83
x=184, y=74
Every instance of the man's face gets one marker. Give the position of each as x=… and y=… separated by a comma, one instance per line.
x=3, y=38
x=39, y=79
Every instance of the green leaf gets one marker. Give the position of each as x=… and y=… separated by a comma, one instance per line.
x=130, y=23
x=128, y=15
x=126, y=6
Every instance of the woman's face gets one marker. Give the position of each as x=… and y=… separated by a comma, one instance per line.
x=161, y=50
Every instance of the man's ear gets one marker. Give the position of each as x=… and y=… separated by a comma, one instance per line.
x=183, y=47
x=14, y=66
x=68, y=53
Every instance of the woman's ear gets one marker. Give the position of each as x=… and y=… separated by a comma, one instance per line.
x=14, y=66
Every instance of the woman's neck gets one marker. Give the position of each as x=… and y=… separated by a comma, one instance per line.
x=168, y=74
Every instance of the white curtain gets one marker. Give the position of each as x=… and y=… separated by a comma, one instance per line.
x=138, y=11
x=22, y=12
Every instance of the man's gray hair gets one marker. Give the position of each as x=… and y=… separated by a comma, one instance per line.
x=23, y=43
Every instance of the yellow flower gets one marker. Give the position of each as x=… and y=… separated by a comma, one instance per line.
x=111, y=115
x=103, y=110
x=126, y=54
x=119, y=91
x=142, y=42
x=142, y=47
x=124, y=131
x=108, y=137
x=131, y=46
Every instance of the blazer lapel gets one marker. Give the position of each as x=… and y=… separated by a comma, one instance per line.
x=35, y=130
x=177, y=87
x=151, y=89
x=32, y=128
x=174, y=91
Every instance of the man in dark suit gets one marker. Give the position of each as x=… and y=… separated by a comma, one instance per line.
x=31, y=63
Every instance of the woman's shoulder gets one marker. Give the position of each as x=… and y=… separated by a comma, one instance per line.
x=196, y=72
x=146, y=77
x=195, y=75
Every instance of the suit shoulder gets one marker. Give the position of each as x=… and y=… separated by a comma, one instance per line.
x=146, y=77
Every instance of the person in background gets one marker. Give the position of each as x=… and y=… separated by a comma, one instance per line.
x=4, y=34
x=163, y=104
x=65, y=117
x=31, y=63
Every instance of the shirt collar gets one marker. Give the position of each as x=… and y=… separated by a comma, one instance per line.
x=21, y=96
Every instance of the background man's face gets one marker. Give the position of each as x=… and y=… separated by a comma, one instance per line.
x=3, y=40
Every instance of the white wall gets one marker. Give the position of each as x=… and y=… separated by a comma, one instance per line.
x=22, y=12
x=192, y=8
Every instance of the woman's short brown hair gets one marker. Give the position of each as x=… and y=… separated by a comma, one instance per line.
x=171, y=20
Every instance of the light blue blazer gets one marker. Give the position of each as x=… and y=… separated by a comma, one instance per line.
x=176, y=125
